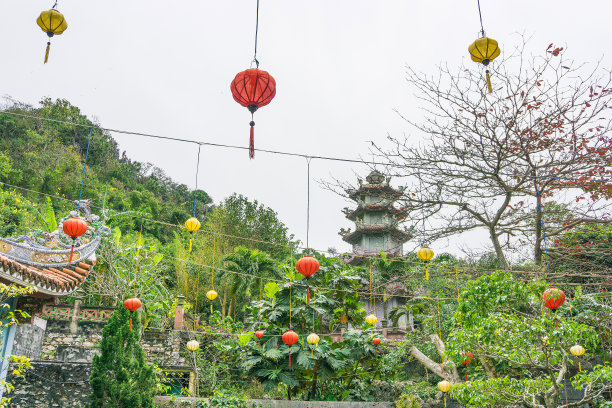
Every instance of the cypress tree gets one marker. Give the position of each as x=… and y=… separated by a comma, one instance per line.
x=120, y=377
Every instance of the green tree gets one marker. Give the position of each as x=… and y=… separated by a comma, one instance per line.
x=523, y=347
x=120, y=378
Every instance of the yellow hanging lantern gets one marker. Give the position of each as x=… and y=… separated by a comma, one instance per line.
x=314, y=340
x=372, y=319
x=484, y=50
x=192, y=226
x=425, y=254
x=193, y=345
x=445, y=387
x=53, y=23
x=577, y=350
x=211, y=295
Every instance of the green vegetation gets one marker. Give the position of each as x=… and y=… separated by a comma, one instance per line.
x=120, y=378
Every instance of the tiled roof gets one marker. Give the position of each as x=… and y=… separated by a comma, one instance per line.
x=376, y=189
x=376, y=229
x=48, y=281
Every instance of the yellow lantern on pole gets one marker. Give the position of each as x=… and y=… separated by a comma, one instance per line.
x=193, y=345
x=192, y=226
x=445, y=387
x=425, y=254
x=312, y=339
x=577, y=350
x=372, y=319
x=53, y=23
x=211, y=295
x=485, y=50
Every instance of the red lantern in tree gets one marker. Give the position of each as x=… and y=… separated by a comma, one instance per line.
x=468, y=359
x=259, y=334
x=132, y=304
x=253, y=89
x=553, y=298
x=290, y=338
x=74, y=228
x=376, y=342
x=307, y=266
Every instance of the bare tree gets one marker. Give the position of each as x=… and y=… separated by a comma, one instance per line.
x=492, y=161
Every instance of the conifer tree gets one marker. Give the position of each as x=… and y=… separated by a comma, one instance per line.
x=120, y=377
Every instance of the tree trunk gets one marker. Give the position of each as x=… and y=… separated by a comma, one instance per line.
x=313, y=389
x=538, y=230
x=498, y=249
x=449, y=372
x=224, y=303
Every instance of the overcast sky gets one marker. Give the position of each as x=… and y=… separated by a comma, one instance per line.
x=165, y=68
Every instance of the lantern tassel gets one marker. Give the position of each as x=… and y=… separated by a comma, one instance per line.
x=252, y=141
x=47, y=52
x=130, y=321
x=445, y=401
x=312, y=354
x=376, y=351
x=289, y=359
x=190, y=239
x=71, y=251
x=211, y=311
x=489, y=86
x=466, y=377
x=426, y=273
x=307, y=294
x=579, y=368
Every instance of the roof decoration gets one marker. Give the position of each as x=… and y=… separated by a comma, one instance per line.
x=42, y=259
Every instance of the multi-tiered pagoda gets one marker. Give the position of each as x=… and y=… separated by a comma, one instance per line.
x=376, y=219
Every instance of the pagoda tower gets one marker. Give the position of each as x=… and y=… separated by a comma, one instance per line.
x=376, y=219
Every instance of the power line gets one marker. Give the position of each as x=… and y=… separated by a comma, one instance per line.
x=302, y=155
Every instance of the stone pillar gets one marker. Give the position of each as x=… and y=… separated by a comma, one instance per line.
x=384, y=332
x=179, y=320
x=76, y=312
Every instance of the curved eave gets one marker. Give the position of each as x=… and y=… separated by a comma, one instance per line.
x=378, y=189
x=354, y=236
x=372, y=207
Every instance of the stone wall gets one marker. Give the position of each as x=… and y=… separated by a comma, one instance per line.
x=52, y=384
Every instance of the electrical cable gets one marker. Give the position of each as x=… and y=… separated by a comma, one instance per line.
x=277, y=152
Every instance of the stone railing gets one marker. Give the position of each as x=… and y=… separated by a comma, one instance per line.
x=81, y=313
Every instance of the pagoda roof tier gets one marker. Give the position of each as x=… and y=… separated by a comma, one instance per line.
x=48, y=281
x=372, y=207
x=361, y=255
x=353, y=237
x=375, y=189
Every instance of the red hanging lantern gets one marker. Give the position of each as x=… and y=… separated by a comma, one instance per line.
x=74, y=228
x=132, y=304
x=468, y=359
x=253, y=89
x=290, y=338
x=259, y=334
x=553, y=298
x=307, y=266
x=376, y=342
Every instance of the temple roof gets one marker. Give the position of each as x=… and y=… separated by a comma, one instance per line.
x=45, y=260
x=372, y=207
x=376, y=189
x=353, y=237
x=49, y=281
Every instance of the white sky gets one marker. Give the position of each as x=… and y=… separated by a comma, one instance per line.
x=165, y=68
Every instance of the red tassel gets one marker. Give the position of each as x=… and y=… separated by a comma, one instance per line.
x=289, y=359
x=466, y=379
x=376, y=351
x=307, y=295
x=252, y=141
x=71, y=252
x=130, y=323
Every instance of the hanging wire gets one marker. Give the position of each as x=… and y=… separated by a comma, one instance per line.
x=293, y=154
x=308, y=204
x=479, y=14
x=256, y=31
x=84, y=166
x=195, y=191
x=422, y=208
